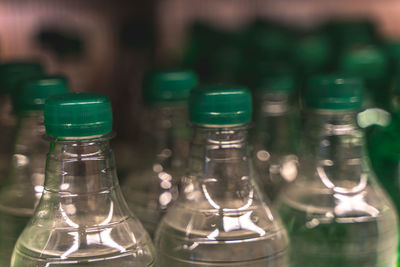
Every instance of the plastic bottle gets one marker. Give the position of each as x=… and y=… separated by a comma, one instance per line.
x=220, y=217
x=24, y=187
x=82, y=218
x=11, y=74
x=151, y=188
x=335, y=211
x=274, y=134
x=372, y=65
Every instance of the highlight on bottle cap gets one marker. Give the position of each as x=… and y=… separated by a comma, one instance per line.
x=334, y=92
x=78, y=115
x=220, y=105
x=32, y=94
x=161, y=86
x=14, y=72
x=368, y=63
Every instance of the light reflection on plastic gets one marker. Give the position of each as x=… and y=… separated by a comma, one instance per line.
x=356, y=203
x=95, y=236
x=231, y=223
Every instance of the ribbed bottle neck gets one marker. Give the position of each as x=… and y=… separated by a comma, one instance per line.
x=80, y=167
x=332, y=150
x=220, y=153
x=171, y=134
x=29, y=152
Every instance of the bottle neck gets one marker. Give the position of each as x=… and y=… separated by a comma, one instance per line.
x=80, y=167
x=333, y=150
x=171, y=135
x=273, y=124
x=220, y=167
x=29, y=153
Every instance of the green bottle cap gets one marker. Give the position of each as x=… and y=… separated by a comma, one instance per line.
x=33, y=93
x=334, y=92
x=168, y=86
x=78, y=115
x=14, y=72
x=312, y=52
x=368, y=63
x=220, y=105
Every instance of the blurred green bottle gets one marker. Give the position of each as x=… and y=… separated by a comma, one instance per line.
x=213, y=52
x=347, y=33
x=372, y=65
x=11, y=75
x=275, y=131
x=335, y=211
x=312, y=54
x=24, y=187
x=152, y=187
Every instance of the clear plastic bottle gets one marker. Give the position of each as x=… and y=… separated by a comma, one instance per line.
x=151, y=188
x=11, y=74
x=274, y=134
x=82, y=218
x=221, y=217
x=335, y=211
x=22, y=192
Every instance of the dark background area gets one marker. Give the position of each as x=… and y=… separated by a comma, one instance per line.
x=105, y=46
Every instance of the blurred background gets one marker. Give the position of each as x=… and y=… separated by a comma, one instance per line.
x=106, y=46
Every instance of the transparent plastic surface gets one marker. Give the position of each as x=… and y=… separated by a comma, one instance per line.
x=82, y=218
x=24, y=187
x=221, y=218
x=335, y=211
x=7, y=128
x=274, y=142
x=152, y=187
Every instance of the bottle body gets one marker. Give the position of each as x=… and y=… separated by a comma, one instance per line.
x=274, y=144
x=21, y=194
x=151, y=188
x=220, y=218
x=7, y=127
x=335, y=212
x=82, y=218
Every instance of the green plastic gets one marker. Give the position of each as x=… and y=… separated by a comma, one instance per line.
x=33, y=93
x=14, y=72
x=220, y=105
x=78, y=115
x=334, y=92
x=280, y=83
x=313, y=52
x=168, y=86
x=369, y=63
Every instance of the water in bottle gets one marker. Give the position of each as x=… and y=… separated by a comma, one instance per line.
x=24, y=187
x=274, y=133
x=152, y=187
x=335, y=211
x=82, y=218
x=11, y=74
x=221, y=218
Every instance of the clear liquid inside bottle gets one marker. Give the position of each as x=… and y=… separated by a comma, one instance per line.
x=82, y=218
x=220, y=217
x=274, y=143
x=24, y=187
x=152, y=187
x=335, y=212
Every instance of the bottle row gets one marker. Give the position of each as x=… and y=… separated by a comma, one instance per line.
x=222, y=192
